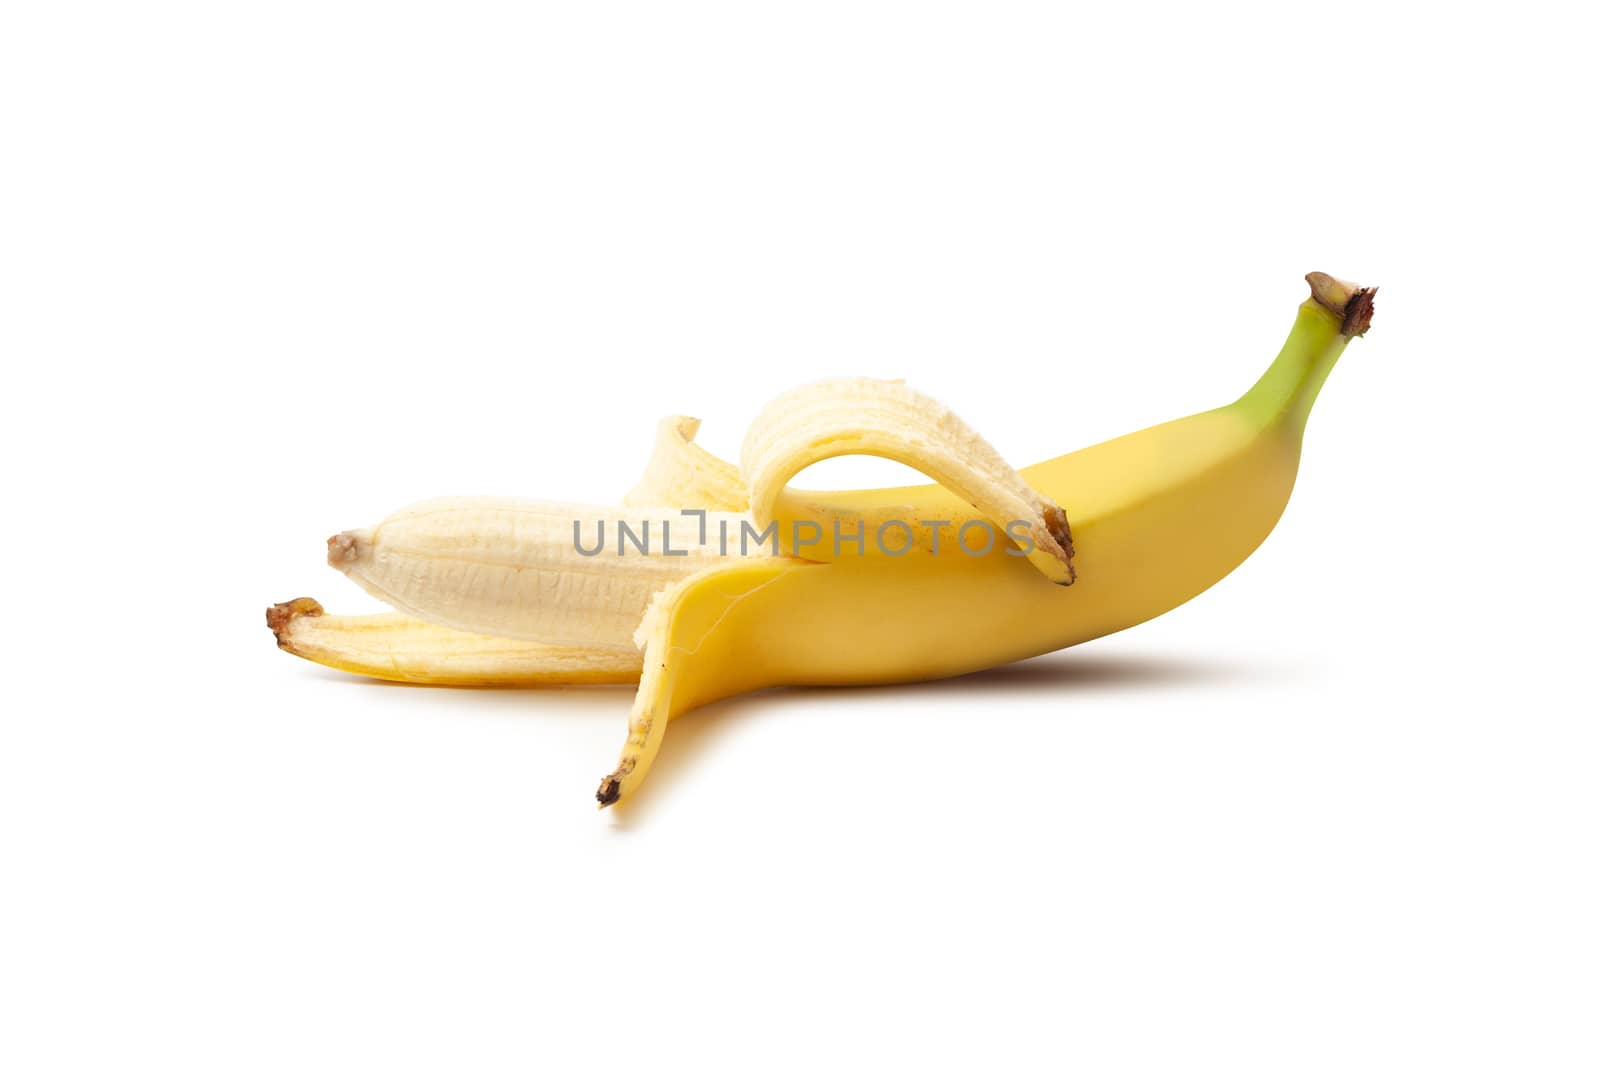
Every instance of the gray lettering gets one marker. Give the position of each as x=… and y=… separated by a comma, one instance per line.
x=701, y=514
x=746, y=530
x=839, y=538
x=938, y=525
x=624, y=534
x=801, y=542
x=1022, y=538
x=905, y=545
x=577, y=541
x=988, y=533
x=666, y=540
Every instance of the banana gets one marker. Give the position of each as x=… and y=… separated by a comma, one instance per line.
x=395, y=647
x=1157, y=517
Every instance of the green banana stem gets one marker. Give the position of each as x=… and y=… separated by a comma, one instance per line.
x=1336, y=312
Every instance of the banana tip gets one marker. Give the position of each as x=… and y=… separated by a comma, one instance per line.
x=610, y=790
x=279, y=615
x=345, y=548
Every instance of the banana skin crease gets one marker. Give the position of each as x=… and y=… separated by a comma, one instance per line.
x=712, y=579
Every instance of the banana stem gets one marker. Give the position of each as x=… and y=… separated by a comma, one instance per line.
x=1336, y=312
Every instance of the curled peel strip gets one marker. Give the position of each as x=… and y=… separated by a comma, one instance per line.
x=680, y=473
x=676, y=636
x=888, y=419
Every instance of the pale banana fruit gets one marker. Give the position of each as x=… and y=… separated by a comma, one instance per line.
x=1156, y=517
x=513, y=568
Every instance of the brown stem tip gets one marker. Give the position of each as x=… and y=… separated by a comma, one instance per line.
x=279, y=615
x=1055, y=523
x=1352, y=303
x=610, y=790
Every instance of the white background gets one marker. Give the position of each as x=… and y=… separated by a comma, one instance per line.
x=272, y=271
